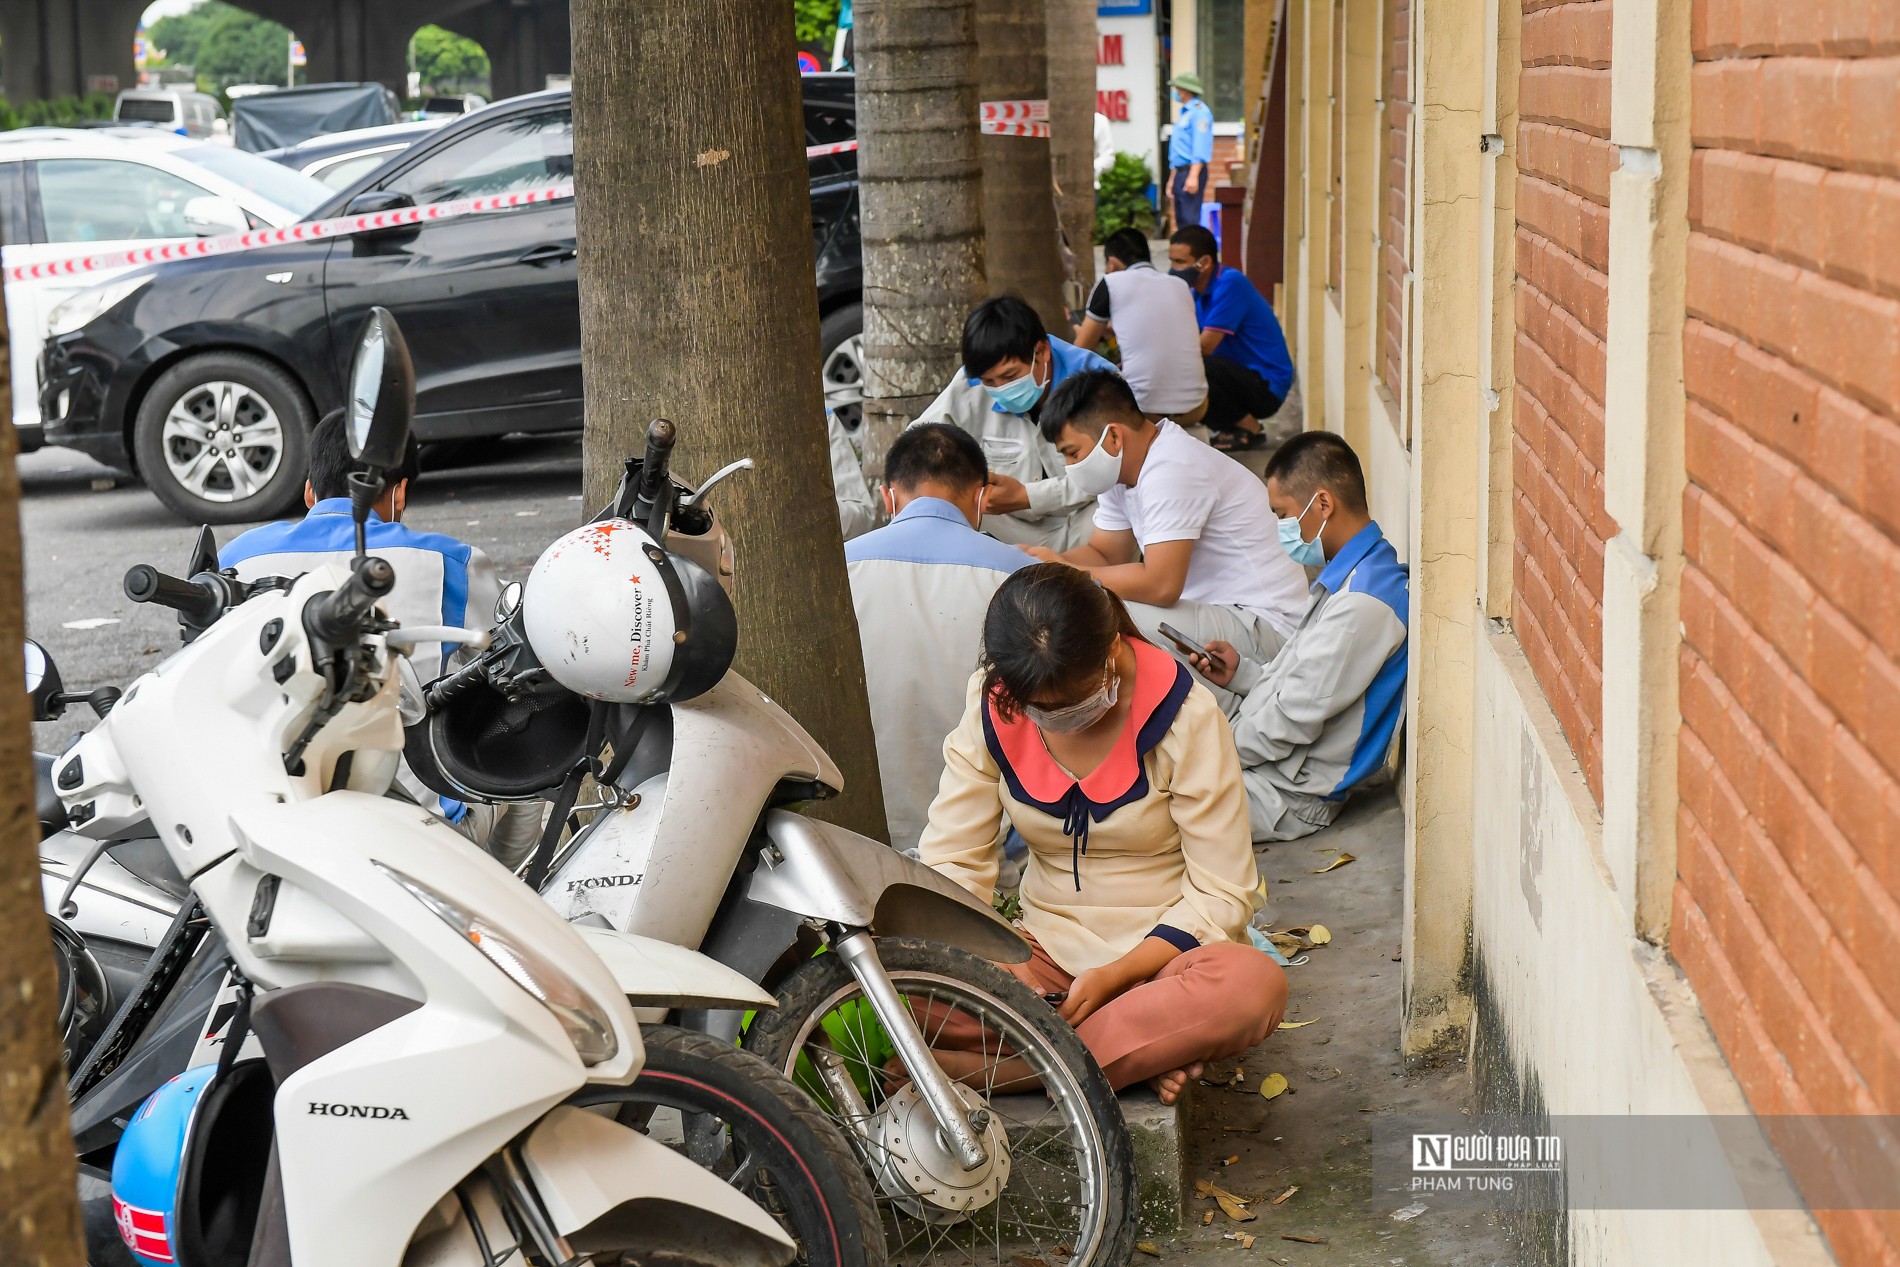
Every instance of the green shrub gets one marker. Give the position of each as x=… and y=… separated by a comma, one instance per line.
x=1122, y=199
x=56, y=112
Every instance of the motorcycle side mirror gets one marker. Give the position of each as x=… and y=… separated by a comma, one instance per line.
x=44, y=689
x=509, y=603
x=381, y=403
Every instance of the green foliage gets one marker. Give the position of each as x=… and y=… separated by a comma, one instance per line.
x=181, y=36
x=241, y=48
x=815, y=21
x=55, y=112
x=1121, y=197
x=445, y=61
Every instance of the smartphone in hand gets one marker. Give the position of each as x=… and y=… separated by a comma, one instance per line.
x=1186, y=643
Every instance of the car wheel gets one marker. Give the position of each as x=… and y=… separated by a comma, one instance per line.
x=224, y=438
x=841, y=340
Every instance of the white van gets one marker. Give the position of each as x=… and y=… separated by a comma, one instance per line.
x=66, y=192
x=180, y=110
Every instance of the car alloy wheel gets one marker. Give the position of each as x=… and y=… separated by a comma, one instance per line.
x=844, y=382
x=222, y=441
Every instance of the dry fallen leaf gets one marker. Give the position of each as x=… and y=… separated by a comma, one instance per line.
x=1304, y=1240
x=1231, y=1206
x=1272, y=1085
x=1281, y=1199
x=1246, y=1241
x=1148, y=1248
x=1340, y=861
x=1299, y=1024
x=1319, y=935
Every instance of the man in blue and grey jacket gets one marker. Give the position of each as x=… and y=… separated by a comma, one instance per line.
x=1316, y=721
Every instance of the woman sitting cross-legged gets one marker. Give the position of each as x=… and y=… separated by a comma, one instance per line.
x=1119, y=771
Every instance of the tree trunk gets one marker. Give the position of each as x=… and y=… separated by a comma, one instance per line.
x=1071, y=26
x=1022, y=247
x=920, y=195
x=39, y=1204
x=699, y=304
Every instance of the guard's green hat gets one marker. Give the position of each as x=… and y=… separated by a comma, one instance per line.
x=1188, y=81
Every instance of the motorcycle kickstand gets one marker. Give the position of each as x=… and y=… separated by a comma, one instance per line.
x=953, y=1119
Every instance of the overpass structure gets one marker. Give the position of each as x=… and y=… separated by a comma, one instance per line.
x=52, y=47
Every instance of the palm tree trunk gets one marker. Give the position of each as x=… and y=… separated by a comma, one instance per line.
x=698, y=303
x=39, y=1206
x=920, y=194
x=1071, y=25
x=1023, y=249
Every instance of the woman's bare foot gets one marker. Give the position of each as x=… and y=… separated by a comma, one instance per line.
x=1171, y=1084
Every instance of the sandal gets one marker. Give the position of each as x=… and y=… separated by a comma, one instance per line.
x=1239, y=441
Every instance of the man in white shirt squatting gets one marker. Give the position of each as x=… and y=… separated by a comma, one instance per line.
x=1184, y=534
x=921, y=585
x=1153, y=317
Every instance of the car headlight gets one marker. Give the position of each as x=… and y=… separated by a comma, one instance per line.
x=80, y=309
x=588, y=1027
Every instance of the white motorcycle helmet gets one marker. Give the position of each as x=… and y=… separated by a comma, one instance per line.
x=612, y=616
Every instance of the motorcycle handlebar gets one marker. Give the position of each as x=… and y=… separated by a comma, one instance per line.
x=661, y=435
x=199, y=602
x=338, y=617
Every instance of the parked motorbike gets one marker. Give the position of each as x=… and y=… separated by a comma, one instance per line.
x=700, y=840
x=261, y=754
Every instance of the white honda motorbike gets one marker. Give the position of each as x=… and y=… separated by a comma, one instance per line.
x=699, y=841
x=423, y=1017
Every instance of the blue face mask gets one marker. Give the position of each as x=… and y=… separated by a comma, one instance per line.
x=1308, y=554
x=1018, y=396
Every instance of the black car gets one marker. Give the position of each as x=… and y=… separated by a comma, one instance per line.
x=207, y=380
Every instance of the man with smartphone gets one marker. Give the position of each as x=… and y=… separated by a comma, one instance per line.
x=1317, y=719
x=1183, y=534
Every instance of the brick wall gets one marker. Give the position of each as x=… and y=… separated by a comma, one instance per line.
x=1564, y=160
x=1787, y=910
x=1396, y=143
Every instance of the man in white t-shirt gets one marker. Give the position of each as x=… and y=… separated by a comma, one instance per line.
x=1154, y=320
x=1183, y=533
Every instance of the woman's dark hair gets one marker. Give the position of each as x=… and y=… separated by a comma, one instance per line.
x=1048, y=629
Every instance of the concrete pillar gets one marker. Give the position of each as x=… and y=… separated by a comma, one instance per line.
x=1362, y=185
x=1293, y=254
x=1448, y=50
x=1309, y=307
x=1497, y=321
x=1643, y=455
x=49, y=48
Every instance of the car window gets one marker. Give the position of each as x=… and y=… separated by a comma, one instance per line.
x=341, y=173
x=147, y=110
x=527, y=152
x=109, y=200
x=13, y=204
x=288, y=188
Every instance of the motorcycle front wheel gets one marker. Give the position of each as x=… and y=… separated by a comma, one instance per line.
x=1059, y=1187
x=731, y=1113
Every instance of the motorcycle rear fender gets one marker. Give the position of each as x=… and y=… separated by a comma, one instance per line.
x=607, y=1187
x=827, y=872
x=655, y=974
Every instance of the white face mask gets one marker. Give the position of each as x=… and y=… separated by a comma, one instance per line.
x=1098, y=470
x=1079, y=716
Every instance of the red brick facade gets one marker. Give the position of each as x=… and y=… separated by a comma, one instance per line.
x=1564, y=160
x=1396, y=142
x=1787, y=915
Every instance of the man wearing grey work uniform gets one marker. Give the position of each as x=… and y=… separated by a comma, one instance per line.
x=1315, y=721
x=1010, y=365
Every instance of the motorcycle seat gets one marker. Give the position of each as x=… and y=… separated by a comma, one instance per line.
x=145, y=857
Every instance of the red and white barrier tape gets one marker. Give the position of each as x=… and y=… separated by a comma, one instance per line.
x=1015, y=112
x=308, y=231
x=836, y=147
x=997, y=127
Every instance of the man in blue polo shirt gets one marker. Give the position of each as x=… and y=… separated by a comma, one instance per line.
x=1249, y=370
x=1190, y=150
x=1010, y=365
x=921, y=586
x=1316, y=721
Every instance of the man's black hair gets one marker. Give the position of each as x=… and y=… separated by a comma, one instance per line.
x=331, y=464
x=1313, y=460
x=936, y=453
x=1089, y=401
x=1198, y=239
x=1130, y=246
x=998, y=329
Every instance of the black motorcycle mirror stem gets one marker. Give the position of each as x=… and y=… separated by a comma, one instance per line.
x=380, y=406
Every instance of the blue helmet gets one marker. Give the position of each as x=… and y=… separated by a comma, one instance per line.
x=145, y=1170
